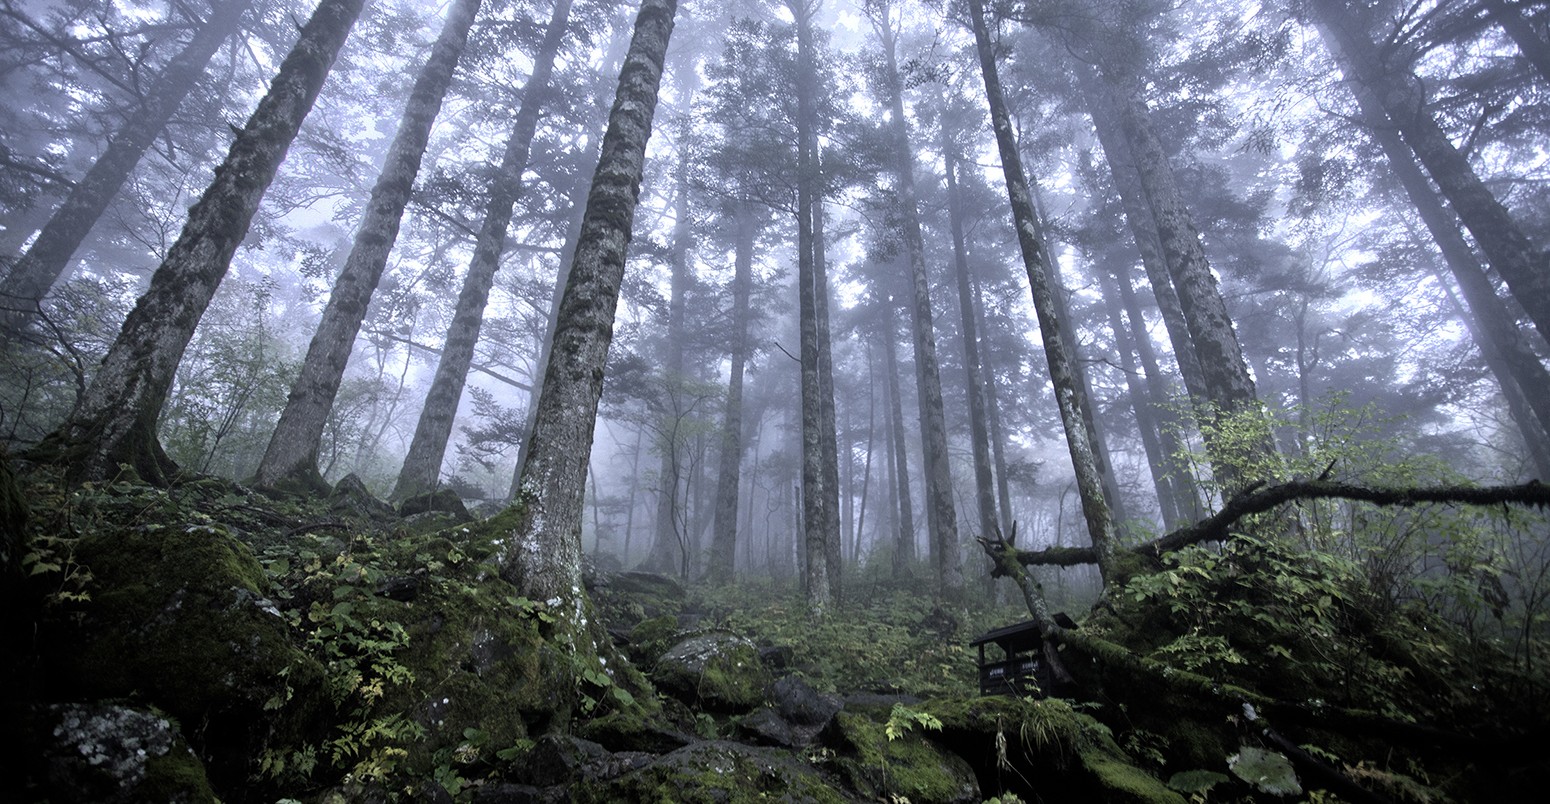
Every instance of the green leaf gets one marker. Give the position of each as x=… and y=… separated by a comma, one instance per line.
x=1195, y=781
x=1268, y=771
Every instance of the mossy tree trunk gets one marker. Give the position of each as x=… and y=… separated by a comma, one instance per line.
x=723, y=546
x=428, y=446
x=47, y=259
x=293, y=448
x=1058, y=351
x=115, y=420
x=540, y=535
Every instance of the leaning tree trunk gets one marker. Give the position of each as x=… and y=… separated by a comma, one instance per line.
x=292, y=453
x=1506, y=247
x=1058, y=352
x=428, y=447
x=723, y=546
x=1531, y=46
x=541, y=532
x=47, y=259
x=942, y=513
x=115, y=420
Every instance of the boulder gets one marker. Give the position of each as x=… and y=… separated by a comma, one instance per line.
x=351, y=496
x=801, y=704
x=906, y=766
x=110, y=753
x=443, y=500
x=717, y=672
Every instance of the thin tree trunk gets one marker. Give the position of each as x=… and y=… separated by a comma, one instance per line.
x=115, y=420
x=48, y=258
x=993, y=417
x=723, y=548
x=541, y=544
x=1506, y=247
x=979, y=435
x=292, y=454
x=1058, y=353
x=904, y=552
x=427, y=449
x=939, y=483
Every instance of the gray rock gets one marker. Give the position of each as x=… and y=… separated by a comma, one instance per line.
x=717, y=671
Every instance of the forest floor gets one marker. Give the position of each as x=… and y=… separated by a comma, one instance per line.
x=206, y=641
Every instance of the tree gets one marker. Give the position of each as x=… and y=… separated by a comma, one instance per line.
x=540, y=534
x=941, y=512
x=1059, y=353
x=427, y=448
x=292, y=454
x=723, y=547
x=47, y=259
x=1384, y=71
x=115, y=420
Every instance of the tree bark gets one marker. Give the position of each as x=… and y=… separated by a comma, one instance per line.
x=1506, y=247
x=904, y=547
x=48, y=258
x=540, y=544
x=723, y=547
x=292, y=453
x=1531, y=46
x=427, y=449
x=942, y=513
x=115, y=420
x=1058, y=353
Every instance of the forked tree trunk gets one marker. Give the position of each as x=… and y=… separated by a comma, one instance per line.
x=941, y=510
x=47, y=259
x=1058, y=353
x=541, y=532
x=428, y=447
x=115, y=420
x=292, y=453
x=723, y=547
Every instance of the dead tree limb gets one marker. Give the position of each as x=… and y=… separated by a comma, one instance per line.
x=1257, y=500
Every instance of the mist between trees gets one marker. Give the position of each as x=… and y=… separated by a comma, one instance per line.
x=900, y=274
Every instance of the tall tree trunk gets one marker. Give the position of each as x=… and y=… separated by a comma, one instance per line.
x=828, y=435
x=47, y=259
x=292, y=454
x=541, y=531
x=816, y=493
x=1058, y=353
x=1531, y=46
x=427, y=449
x=979, y=435
x=723, y=546
x=114, y=422
x=993, y=419
x=899, y=464
x=941, y=510
x=1506, y=247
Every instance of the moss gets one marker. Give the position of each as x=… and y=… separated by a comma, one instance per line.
x=909, y=766
x=1121, y=781
x=715, y=773
x=717, y=672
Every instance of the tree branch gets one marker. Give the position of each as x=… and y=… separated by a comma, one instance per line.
x=1256, y=500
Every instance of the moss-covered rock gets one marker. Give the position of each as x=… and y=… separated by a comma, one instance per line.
x=444, y=500
x=111, y=753
x=1010, y=742
x=624, y=599
x=180, y=617
x=906, y=766
x=716, y=773
x=717, y=672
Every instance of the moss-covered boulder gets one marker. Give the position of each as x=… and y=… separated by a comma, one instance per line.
x=717, y=772
x=109, y=753
x=180, y=617
x=624, y=599
x=1044, y=749
x=897, y=763
x=444, y=500
x=717, y=672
